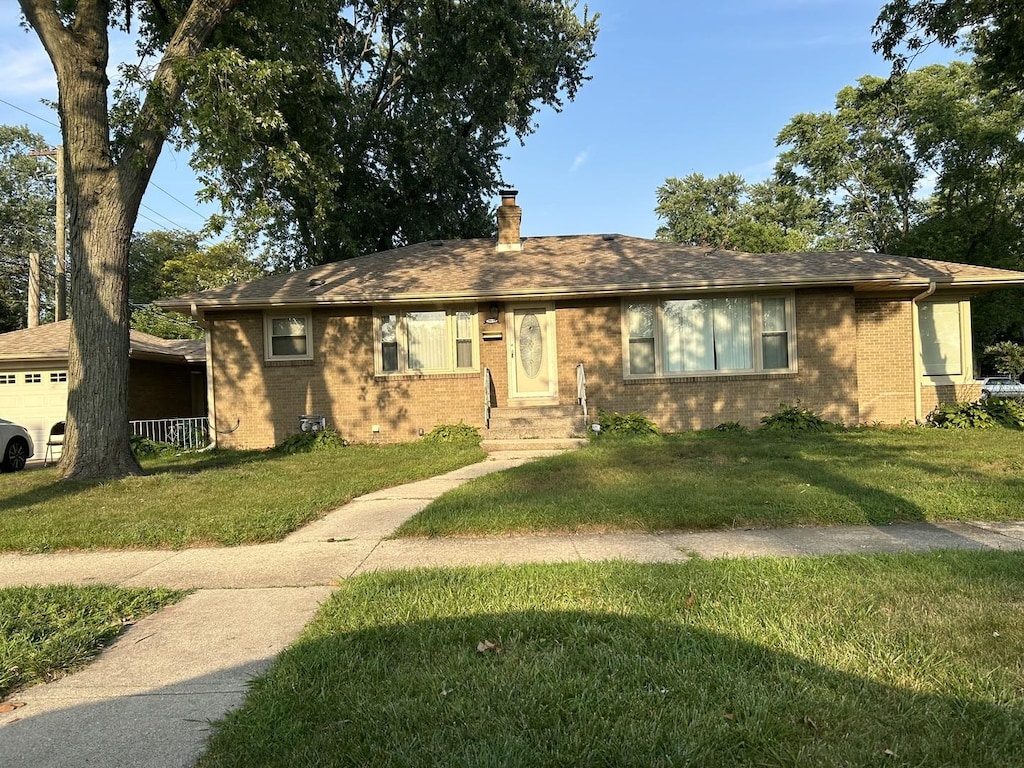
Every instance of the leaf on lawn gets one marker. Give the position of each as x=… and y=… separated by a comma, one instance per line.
x=488, y=646
x=690, y=600
x=730, y=716
x=889, y=753
x=10, y=706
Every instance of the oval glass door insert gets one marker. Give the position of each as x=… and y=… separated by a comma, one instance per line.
x=531, y=345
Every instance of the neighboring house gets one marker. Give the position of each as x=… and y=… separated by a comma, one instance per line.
x=389, y=345
x=167, y=378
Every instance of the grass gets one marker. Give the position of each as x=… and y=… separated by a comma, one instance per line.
x=222, y=498
x=46, y=632
x=903, y=660
x=702, y=480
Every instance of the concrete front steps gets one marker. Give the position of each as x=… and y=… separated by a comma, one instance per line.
x=535, y=428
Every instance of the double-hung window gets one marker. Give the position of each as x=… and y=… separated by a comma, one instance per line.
x=708, y=335
x=288, y=337
x=426, y=341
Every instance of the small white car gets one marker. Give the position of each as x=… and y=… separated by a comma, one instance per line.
x=1001, y=386
x=16, y=445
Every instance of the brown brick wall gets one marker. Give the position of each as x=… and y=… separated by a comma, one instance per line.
x=266, y=399
x=162, y=391
x=853, y=364
x=885, y=360
x=826, y=380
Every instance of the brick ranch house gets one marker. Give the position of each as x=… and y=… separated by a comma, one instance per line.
x=388, y=345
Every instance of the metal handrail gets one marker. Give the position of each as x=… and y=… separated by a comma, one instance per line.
x=581, y=388
x=189, y=433
x=488, y=401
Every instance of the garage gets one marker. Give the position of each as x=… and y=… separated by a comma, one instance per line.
x=36, y=398
x=167, y=378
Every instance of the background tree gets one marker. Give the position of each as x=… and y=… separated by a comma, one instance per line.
x=265, y=91
x=858, y=163
x=171, y=262
x=26, y=219
x=727, y=212
x=398, y=137
x=992, y=30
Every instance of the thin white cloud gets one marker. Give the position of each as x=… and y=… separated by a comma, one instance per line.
x=579, y=161
x=26, y=70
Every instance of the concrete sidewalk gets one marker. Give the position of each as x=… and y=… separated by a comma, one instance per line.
x=149, y=698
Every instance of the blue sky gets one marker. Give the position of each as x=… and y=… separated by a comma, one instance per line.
x=678, y=87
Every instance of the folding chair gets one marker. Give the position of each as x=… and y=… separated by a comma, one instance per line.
x=55, y=440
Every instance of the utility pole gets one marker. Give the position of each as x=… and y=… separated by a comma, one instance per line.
x=33, y=289
x=61, y=292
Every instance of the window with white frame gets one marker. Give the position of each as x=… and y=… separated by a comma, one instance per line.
x=33, y=378
x=940, y=328
x=288, y=337
x=709, y=335
x=58, y=377
x=8, y=378
x=425, y=341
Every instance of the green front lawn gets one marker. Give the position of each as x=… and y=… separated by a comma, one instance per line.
x=879, y=660
x=713, y=480
x=220, y=498
x=46, y=632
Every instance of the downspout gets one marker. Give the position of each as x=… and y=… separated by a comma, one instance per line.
x=918, y=367
x=211, y=407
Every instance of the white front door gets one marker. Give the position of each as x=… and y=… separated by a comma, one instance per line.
x=532, y=352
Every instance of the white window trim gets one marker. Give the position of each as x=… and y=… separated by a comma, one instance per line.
x=268, y=327
x=756, y=337
x=451, y=330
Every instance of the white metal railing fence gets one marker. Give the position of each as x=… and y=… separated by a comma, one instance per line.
x=581, y=389
x=488, y=400
x=191, y=433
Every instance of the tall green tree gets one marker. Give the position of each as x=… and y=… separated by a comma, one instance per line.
x=398, y=138
x=259, y=82
x=993, y=30
x=26, y=218
x=166, y=263
x=858, y=162
x=727, y=212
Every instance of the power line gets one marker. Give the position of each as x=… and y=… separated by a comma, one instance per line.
x=155, y=212
x=180, y=202
x=37, y=117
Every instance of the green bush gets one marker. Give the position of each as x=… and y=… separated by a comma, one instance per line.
x=793, y=418
x=631, y=424
x=454, y=433
x=731, y=426
x=145, y=448
x=307, y=442
x=991, y=412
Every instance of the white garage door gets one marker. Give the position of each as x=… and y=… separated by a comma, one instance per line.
x=36, y=399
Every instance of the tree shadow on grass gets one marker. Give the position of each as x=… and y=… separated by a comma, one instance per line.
x=579, y=688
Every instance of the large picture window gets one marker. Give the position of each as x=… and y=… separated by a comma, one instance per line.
x=720, y=334
x=288, y=337
x=426, y=341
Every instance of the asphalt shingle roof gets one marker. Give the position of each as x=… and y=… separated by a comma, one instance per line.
x=578, y=265
x=50, y=342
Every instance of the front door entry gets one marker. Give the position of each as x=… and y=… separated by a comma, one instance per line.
x=532, y=353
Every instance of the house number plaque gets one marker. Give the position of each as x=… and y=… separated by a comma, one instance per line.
x=531, y=346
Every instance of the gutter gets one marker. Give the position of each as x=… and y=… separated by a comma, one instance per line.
x=918, y=366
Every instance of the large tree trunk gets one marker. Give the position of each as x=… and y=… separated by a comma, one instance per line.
x=97, y=442
x=104, y=192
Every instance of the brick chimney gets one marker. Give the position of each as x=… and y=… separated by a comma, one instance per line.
x=510, y=216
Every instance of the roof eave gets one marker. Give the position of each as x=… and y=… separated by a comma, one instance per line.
x=625, y=289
